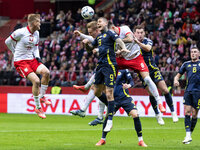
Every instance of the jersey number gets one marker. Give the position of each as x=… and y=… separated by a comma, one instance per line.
x=99, y=41
x=194, y=70
x=111, y=77
x=157, y=75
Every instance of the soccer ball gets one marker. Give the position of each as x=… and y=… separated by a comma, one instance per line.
x=87, y=12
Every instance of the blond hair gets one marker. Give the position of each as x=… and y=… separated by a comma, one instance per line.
x=92, y=25
x=33, y=17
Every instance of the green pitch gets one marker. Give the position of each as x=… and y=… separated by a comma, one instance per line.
x=59, y=132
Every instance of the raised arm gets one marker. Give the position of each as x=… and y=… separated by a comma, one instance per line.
x=145, y=47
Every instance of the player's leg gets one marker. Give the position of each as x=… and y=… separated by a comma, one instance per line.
x=194, y=119
x=44, y=71
x=138, y=127
x=99, y=119
x=153, y=89
x=187, y=111
x=195, y=109
x=110, y=98
x=104, y=134
x=163, y=88
x=85, y=87
x=89, y=98
x=35, y=90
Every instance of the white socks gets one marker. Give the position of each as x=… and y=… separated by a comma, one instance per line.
x=101, y=110
x=90, y=82
x=152, y=88
x=43, y=89
x=140, y=138
x=88, y=100
x=188, y=134
x=37, y=102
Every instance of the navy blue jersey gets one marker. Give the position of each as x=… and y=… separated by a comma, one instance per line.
x=123, y=76
x=193, y=75
x=106, y=44
x=148, y=56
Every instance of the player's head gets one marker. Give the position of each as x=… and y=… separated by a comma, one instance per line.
x=111, y=26
x=139, y=32
x=34, y=21
x=102, y=24
x=92, y=29
x=194, y=53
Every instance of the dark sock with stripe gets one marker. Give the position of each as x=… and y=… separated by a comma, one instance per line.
x=154, y=104
x=110, y=109
x=103, y=99
x=193, y=124
x=187, y=123
x=169, y=101
x=138, y=126
x=104, y=125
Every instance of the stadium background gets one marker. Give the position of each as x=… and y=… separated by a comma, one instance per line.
x=174, y=27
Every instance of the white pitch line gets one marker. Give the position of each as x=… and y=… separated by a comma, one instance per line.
x=159, y=128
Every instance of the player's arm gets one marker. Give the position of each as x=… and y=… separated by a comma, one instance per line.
x=129, y=79
x=180, y=73
x=83, y=36
x=146, y=47
x=89, y=47
x=176, y=79
x=128, y=38
x=122, y=45
x=10, y=44
x=36, y=52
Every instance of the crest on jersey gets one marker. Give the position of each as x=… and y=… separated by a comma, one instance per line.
x=189, y=65
x=26, y=69
x=142, y=65
x=119, y=73
x=104, y=35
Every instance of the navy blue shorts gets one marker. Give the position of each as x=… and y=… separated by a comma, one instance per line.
x=155, y=76
x=105, y=74
x=127, y=104
x=192, y=99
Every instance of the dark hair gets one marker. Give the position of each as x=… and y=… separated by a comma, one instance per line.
x=138, y=27
x=194, y=47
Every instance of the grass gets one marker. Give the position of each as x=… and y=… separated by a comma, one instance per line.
x=59, y=132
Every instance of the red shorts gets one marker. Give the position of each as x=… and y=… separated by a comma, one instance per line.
x=24, y=67
x=137, y=64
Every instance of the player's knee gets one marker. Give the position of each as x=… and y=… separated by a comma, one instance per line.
x=165, y=91
x=147, y=80
x=46, y=73
x=187, y=112
x=36, y=82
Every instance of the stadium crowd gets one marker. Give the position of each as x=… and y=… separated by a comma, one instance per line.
x=172, y=25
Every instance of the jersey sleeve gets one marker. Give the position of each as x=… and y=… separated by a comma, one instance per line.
x=113, y=35
x=84, y=36
x=16, y=35
x=182, y=69
x=36, y=52
x=129, y=78
x=148, y=42
x=94, y=43
x=126, y=30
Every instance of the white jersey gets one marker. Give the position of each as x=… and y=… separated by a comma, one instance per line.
x=23, y=44
x=133, y=47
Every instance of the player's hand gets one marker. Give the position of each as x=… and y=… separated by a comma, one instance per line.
x=118, y=53
x=39, y=59
x=77, y=33
x=176, y=83
x=126, y=86
x=135, y=39
x=95, y=50
x=125, y=50
x=85, y=41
